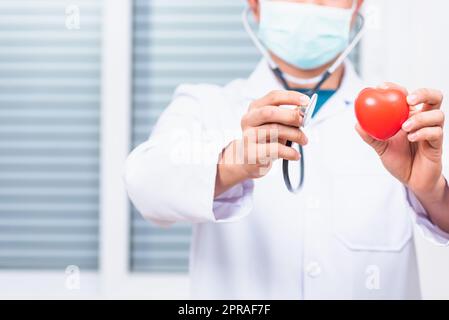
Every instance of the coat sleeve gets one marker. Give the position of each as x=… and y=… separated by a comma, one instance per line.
x=429, y=230
x=171, y=177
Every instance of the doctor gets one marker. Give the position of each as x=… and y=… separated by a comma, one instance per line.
x=348, y=233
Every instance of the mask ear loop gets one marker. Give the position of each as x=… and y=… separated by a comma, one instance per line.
x=355, y=41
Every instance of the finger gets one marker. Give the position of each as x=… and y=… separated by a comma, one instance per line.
x=431, y=98
x=272, y=114
x=433, y=135
x=280, y=133
x=391, y=85
x=266, y=152
x=433, y=118
x=377, y=145
x=281, y=97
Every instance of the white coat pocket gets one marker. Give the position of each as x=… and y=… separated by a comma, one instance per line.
x=370, y=213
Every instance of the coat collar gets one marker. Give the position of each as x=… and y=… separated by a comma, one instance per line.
x=262, y=81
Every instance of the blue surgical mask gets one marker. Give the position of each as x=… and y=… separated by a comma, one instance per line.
x=304, y=35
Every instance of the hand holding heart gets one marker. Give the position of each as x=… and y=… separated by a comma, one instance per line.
x=412, y=150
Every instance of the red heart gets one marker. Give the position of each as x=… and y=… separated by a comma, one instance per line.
x=381, y=112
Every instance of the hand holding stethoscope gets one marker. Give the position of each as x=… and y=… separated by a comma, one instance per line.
x=266, y=128
x=318, y=81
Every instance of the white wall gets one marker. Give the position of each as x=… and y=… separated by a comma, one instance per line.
x=407, y=43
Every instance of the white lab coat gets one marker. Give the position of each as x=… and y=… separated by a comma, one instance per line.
x=347, y=234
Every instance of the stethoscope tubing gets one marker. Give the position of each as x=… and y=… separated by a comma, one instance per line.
x=285, y=163
x=285, y=171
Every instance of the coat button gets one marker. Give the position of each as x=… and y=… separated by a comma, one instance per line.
x=313, y=269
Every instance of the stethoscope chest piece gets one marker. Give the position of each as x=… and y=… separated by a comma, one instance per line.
x=309, y=110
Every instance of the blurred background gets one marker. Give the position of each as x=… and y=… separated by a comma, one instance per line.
x=82, y=82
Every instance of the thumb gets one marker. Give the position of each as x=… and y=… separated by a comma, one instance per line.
x=377, y=145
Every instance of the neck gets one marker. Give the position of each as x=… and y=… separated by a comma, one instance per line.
x=331, y=84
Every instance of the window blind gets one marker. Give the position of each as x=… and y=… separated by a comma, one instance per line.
x=177, y=41
x=49, y=133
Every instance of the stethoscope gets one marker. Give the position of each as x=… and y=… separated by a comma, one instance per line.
x=308, y=110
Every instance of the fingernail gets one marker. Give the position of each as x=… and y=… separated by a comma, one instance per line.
x=412, y=99
x=305, y=100
x=407, y=125
x=412, y=137
x=383, y=86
